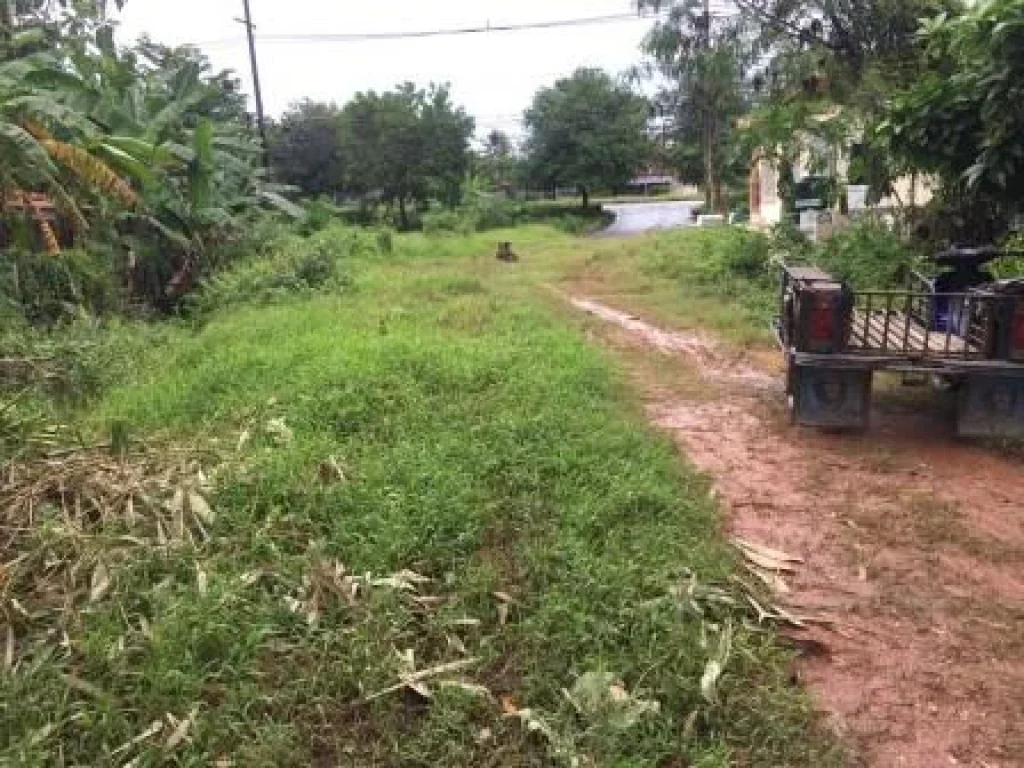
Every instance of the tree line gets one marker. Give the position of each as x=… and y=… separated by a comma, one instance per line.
x=410, y=146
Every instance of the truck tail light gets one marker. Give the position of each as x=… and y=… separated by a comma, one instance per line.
x=821, y=321
x=1017, y=333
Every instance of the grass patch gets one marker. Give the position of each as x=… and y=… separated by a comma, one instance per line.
x=437, y=418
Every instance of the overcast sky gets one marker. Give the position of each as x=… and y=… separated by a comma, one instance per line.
x=494, y=75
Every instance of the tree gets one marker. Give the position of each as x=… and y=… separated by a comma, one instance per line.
x=706, y=59
x=405, y=146
x=587, y=131
x=497, y=165
x=962, y=120
x=305, y=148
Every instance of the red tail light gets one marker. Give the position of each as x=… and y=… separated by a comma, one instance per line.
x=1017, y=339
x=821, y=326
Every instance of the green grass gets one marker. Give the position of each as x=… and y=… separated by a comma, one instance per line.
x=484, y=445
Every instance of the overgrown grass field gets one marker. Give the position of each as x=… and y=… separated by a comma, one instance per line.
x=438, y=534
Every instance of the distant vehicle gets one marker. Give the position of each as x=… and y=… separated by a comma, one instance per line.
x=964, y=330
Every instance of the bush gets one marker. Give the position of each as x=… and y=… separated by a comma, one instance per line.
x=76, y=361
x=868, y=255
x=320, y=214
x=297, y=266
x=47, y=289
x=449, y=220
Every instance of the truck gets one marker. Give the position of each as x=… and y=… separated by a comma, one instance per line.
x=962, y=330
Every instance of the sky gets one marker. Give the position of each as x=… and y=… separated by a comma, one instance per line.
x=493, y=75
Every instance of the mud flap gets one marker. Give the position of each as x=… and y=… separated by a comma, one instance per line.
x=991, y=406
x=837, y=398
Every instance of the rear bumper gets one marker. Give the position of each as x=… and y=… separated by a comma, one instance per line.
x=902, y=364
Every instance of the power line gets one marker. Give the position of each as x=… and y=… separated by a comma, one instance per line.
x=365, y=37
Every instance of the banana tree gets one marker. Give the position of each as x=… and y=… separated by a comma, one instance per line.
x=39, y=152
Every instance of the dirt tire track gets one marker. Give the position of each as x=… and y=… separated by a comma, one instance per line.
x=913, y=542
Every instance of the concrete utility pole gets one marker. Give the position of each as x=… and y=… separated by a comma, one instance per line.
x=261, y=120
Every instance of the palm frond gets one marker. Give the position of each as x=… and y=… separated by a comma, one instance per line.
x=37, y=131
x=33, y=159
x=152, y=222
x=67, y=205
x=92, y=171
x=123, y=162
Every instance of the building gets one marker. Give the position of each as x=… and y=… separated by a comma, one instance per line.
x=822, y=161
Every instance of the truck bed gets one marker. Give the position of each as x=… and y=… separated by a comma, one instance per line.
x=893, y=332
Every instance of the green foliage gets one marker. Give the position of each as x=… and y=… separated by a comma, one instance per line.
x=489, y=212
x=498, y=163
x=706, y=68
x=75, y=361
x=729, y=262
x=447, y=220
x=868, y=255
x=588, y=132
x=405, y=146
x=305, y=149
x=294, y=265
x=45, y=289
x=738, y=270
x=961, y=121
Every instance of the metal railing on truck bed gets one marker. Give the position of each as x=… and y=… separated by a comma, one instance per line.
x=921, y=325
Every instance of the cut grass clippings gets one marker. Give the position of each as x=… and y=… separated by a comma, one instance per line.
x=443, y=537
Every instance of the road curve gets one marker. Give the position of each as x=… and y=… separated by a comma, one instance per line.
x=637, y=218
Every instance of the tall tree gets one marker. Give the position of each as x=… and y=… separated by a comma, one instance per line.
x=705, y=58
x=497, y=161
x=587, y=131
x=305, y=148
x=406, y=145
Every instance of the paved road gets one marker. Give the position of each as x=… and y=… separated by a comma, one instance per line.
x=636, y=218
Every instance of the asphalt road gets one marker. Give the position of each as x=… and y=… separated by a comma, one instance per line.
x=636, y=218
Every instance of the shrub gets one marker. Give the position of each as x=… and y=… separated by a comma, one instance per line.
x=76, y=361
x=298, y=265
x=868, y=255
x=46, y=289
x=448, y=220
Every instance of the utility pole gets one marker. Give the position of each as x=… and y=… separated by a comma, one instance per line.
x=261, y=120
x=710, y=193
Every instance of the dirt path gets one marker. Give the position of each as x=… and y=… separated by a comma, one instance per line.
x=912, y=541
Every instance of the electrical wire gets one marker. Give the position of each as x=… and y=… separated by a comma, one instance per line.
x=369, y=37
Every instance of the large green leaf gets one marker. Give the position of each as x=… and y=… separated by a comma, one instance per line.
x=141, y=150
x=282, y=204
x=170, y=234
x=124, y=162
x=202, y=168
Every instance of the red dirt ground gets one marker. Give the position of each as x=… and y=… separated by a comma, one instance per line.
x=913, y=543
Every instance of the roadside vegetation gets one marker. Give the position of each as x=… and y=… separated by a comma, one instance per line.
x=405, y=517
